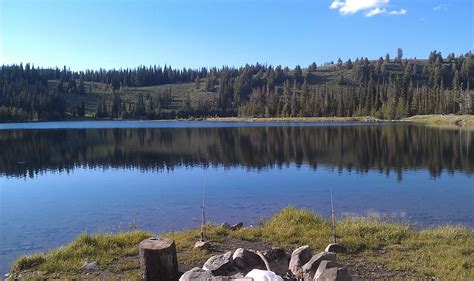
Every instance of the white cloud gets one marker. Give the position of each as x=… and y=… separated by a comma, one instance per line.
x=349, y=7
x=369, y=7
x=441, y=7
x=399, y=12
x=376, y=11
x=336, y=5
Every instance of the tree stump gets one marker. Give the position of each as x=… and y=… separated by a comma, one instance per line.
x=158, y=260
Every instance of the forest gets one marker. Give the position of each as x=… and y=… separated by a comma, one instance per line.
x=386, y=88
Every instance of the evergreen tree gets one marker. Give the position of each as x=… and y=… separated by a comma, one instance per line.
x=399, y=55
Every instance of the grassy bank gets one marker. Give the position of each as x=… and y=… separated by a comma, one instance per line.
x=449, y=121
x=394, y=249
x=438, y=120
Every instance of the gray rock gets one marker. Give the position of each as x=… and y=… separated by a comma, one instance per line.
x=196, y=274
x=278, y=260
x=326, y=264
x=246, y=260
x=237, y=275
x=202, y=245
x=220, y=264
x=299, y=257
x=90, y=266
x=335, y=248
x=309, y=268
x=237, y=226
x=226, y=226
x=334, y=274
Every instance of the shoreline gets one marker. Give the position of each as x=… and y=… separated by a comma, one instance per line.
x=361, y=119
x=376, y=248
x=439, y=120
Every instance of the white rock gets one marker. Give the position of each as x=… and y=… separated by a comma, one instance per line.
x=263, y=275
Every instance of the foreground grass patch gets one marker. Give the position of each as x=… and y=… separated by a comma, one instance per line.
x=444, y=252
x=102, y=248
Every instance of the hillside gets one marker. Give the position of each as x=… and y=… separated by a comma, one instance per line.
x=384, y=88
x=97, y=92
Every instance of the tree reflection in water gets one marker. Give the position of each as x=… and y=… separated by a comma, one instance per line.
x=386, y=148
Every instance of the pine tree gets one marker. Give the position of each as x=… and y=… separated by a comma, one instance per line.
x=116, y=105
x=82, y=110
x=99, y=111
x=399, y=55
x=81, y=89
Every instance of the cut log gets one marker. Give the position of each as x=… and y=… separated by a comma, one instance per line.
x=158, y=261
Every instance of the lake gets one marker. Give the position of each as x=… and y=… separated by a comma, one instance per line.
x=58, y=179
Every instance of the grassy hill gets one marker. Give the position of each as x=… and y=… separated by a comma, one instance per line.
x=383, y=88
x=96, y=92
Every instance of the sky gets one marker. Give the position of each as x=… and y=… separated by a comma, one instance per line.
x=108, y=34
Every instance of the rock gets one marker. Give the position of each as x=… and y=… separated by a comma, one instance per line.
x=326, y=264
x=226, y=226
x=220, y=264
x=196, y=273
x=202, y=245
x=90, y=266
x=229, y=278
x=237, y=226
x=264, y=275
x=335, y=248
x=309, y=268
x=246, y=260
x=335, y=273
x=278, y=260
x=237, y=275
x=299, y=257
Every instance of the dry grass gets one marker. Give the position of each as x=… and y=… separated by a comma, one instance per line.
x=447, y=121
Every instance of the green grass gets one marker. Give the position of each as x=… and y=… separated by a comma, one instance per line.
x=440, y=252
x=103, y=248
x=97, y=92
x=445, y=252
x=448, y=121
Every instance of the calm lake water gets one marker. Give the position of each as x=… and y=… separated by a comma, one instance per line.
x=59, y=179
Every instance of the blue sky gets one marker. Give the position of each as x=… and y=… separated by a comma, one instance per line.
x=184, y=33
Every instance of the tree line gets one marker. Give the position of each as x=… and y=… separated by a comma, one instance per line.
x=25, y=95
x=385, y=88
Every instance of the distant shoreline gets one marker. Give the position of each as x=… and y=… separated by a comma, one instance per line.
x=294, y=119
x=362, y=119
x=438, y=120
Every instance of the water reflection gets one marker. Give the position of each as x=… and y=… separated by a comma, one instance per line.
x=386, y=148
